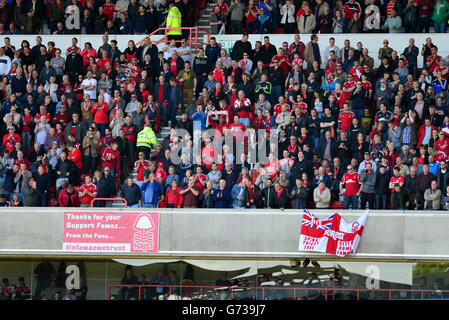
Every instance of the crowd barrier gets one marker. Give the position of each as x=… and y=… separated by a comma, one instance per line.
x=229, y=233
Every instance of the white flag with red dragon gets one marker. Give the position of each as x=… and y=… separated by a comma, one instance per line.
x=332, y=235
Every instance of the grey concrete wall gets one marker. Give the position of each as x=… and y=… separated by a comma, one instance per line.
x=388, y=235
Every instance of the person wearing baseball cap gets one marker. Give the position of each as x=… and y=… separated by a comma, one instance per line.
x=329, y=82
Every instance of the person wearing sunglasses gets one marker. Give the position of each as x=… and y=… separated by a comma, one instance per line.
x=351, y=183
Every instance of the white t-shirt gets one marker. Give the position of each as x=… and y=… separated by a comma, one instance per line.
x=41, y=134
x=184, y=57
x=92, y=93
x=5, y=65
x=167, y=54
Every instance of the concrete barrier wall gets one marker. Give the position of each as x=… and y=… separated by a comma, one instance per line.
x=239, y=234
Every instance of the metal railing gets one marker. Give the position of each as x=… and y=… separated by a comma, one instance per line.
x=193, y=31
x=274, y=293
x=110, y=199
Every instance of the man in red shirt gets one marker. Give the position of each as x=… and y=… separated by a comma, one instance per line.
x=111, y=159
x=348, y=88
x=42, y=112
x=351, y=181
x=301, y=105
x=350, y=7
x=10, y=139
x=442, y=144
x=176, y=63
x=345, y=118
x=76, y=157
x=219, y=74
x=278, y=107
x=434, y=60
x=140, y=166
x=396, y=178
x=87, y=192
x=357, y=71
x=109, y=9
x=101, y=63
x=200, y=179
x=237, y=129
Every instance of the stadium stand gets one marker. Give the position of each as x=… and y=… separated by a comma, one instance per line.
x=81, y=122
x=234, y=104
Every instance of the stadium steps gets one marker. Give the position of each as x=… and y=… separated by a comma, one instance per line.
x=204, y=18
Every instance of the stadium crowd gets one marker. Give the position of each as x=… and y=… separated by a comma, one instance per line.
x=77, y=128
x=95, y=17
x=337, y=16
x=228, y=16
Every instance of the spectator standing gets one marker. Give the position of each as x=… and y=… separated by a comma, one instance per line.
x=287, y=12
x=151, y=191
x=398, y=198
x=368, y=187
x=322, y=195
x=106, y=188
x=87, y=192
x=432, y=197
x=236, y=12
x=222, y=195
x=131, y=192
x=424, y=180
x=393, y=24
x=440, y=15
x=174, y=197
x=91, y=146
x=190, y=194
x=351, y=182
x=425, y=8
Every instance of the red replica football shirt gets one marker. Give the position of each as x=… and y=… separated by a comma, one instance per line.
x=352, y=183
x=345, y=119
x=87, y=199
x=399, y=180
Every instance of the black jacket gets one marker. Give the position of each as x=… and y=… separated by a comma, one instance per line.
x=276, y=76
x=230, y=178
x=398, y=199
x=442, y=179
x=239, y=48
x=283, y=201
x=257, y=197
x=131, y=194
x=9, y=184
x=106, y=187
x=74, y=63
x=179, y=63
x=43, y=183
x=266, y=54
x=237, y=74
x=293, y=130
x=358, y=100
x=269, y=194
x=201, y=66
x=207, y=201
x=382, y=183
x=299, y=167
x=247, y=88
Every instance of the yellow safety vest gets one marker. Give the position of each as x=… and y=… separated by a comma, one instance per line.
x=174, y=21
x=146, y=138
